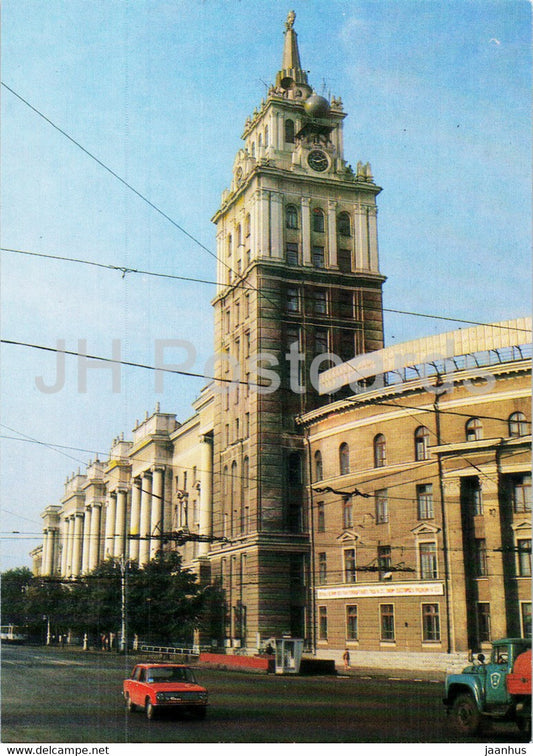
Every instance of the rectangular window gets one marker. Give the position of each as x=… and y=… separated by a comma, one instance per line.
x=319, y=305
x=292, y=254
x=321, y=517
x=346, y=345
x=344, y=260
x=387, y=622
x=322, y=623
x=322, y=568
x=424, y=499
x=430, y=622
x=292, y=301
x=382, y=505
x=525, y=616
x=318, y=257
x=483, y=621
x=428, y=561
x=384, y=561
x=480, y=557
x=521, y=493
x=523, y=547
x=292, y=336
x=349, y=566
x=321, y=341
x=345, y=304
x=471, y=495
x=347, y=512
x=351, y=622
x=228, y=321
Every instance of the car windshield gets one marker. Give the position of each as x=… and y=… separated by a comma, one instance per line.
x=171, y=674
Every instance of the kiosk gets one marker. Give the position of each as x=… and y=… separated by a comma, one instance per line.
x=288, y=655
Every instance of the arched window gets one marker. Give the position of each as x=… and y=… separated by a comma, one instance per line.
x=247, y=225
x=344, y=459
x=289, y=131
x=421, y=443
x=253, y=149
x=245, y=472
x=517, y=425
x=473, y=429
x=291, y=216
x=239, y=235
x=259, y=144
x=233, y=481
x=380, y=451
x=318, y=220
x=230, y=245
x=225, y=482
x=343, y=224
x=319, y=472
x=266, y=136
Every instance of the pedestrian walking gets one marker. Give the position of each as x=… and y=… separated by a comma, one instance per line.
x=346, y=659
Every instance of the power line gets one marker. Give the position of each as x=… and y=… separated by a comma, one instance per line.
x=127, y=270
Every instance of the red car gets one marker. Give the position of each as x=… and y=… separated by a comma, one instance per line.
x=155, y=687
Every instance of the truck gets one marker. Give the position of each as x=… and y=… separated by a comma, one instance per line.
x=499, y=689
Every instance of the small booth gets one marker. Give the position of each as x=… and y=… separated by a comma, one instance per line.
x=288, y=655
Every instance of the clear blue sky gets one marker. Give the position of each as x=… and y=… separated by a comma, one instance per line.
x=438, y=96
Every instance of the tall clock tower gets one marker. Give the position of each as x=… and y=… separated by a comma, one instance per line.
x=298, y=278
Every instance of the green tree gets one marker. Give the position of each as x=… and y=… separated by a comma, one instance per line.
x=15, y=583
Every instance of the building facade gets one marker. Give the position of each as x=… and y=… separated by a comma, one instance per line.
x=257, y=487
x=420, y=496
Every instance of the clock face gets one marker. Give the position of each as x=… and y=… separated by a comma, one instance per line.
x=318, y=160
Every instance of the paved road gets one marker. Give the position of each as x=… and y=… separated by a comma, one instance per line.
x=60, y=696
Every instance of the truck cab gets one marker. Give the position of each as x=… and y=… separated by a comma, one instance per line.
x=481, y=689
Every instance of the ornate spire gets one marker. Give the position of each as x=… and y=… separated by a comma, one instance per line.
x=291, y=69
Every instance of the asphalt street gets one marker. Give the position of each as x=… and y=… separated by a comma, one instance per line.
x=63, y=696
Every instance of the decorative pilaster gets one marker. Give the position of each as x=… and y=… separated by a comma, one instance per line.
x=306, y=230
x=206, y=492
x=332, y=233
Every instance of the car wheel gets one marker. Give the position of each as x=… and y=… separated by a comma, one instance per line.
x=129, y=706
x=149, y=709
x=465, y=715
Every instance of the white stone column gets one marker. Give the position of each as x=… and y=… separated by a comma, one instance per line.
x=111, y=509
x=360, y=237
x=332, y=234
x=64, y=552
x=276, y=232
x=120, y=522
x=206, y=492
x=68, y=544
x=156, y=521
x=135, y=519
x=77, y=544
x=264, y=229
x=94, y=535
x=146, y=518
x=373, y=239
x=86, y=539
x=306, y=231
x=48, y=552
